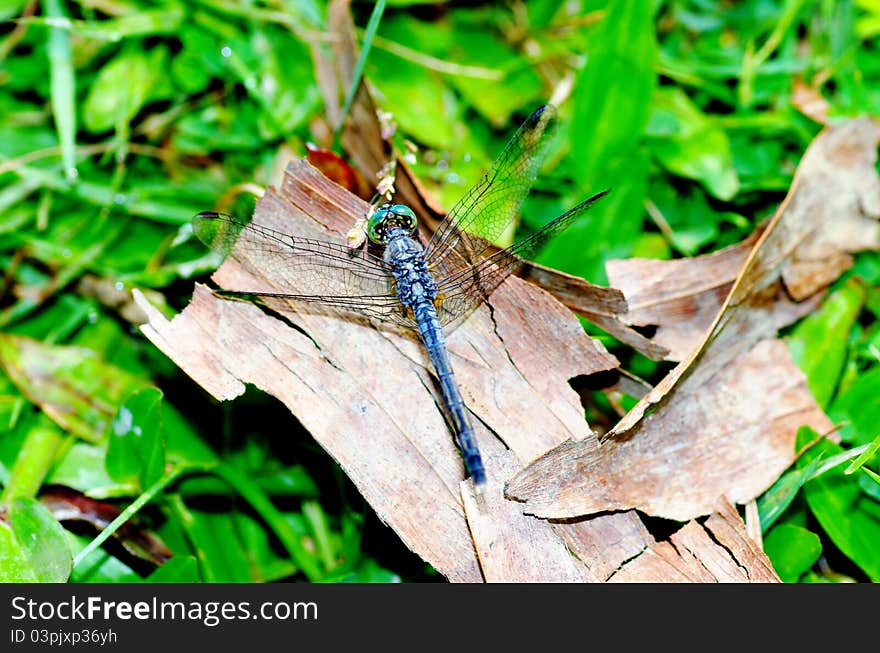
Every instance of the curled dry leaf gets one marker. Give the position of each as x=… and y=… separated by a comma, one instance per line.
x=680, y=298
x=724, y=420
x=66, y=504
x=367, y=397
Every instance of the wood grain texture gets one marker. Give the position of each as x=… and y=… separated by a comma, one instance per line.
x=716, y=550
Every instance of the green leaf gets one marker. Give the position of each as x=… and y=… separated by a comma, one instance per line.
x=231, y=547
x=792, y=550
x=610, y=229
x=82, y=467
x=136, y=450
x=779, y=496
x=819, y=343
x=33, y=546
x=857, y=408
x=689, y=144
x=613, y=90
x=864, y=458
x=120, y=91
x=409, y=109
x=74, y=387
x=63, y=81
x=848, y=516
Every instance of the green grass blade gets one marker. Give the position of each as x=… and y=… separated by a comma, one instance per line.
x=63, y=85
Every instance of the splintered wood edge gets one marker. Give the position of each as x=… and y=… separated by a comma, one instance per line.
x=208, y=372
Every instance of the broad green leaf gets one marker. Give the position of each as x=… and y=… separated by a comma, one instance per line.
x=136, y=449
x=613, y=90
x=74, y=387
x=120, y=91
x=792, y=550
x=857, y=408
x=849, y=517
x=82, y=468
x=819, y=343
x=690, y=144
x=33, y=545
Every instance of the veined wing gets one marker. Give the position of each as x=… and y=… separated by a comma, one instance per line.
x=304, y=270
x=486, y=211
x=460, y=293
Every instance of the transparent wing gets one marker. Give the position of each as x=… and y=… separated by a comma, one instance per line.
x=460, y=293
x=488, y=208
x=302, y=270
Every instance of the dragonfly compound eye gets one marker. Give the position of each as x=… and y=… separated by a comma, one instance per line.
x=377, y=226
x=390, y=217
x=406, y=219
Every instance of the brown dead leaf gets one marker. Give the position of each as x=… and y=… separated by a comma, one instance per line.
x=724, y=419
x=679, y=297
x=69, y=505
x=368, y=398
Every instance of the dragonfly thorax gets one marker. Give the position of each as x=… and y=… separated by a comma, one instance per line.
x=388, y=217
x=413, y=282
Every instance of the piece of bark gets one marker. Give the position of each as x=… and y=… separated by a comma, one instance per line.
x=716, y=550
x=605, y=542
x=724, y=419
x=367, y=396
x=511, y=547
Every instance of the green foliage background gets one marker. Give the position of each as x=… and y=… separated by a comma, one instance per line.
x=119, y=120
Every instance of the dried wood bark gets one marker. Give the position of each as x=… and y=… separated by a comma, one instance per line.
x=367, y=395
x=724, y=420
x=369, y=399
x=716, y=550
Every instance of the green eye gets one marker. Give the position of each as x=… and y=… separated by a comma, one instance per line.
x=409, y=221
x=376, y=226
x=399, y=216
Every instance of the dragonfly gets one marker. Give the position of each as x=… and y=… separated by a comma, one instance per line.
x=428, y=285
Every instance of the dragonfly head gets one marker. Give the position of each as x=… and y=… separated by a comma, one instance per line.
x=388, y=217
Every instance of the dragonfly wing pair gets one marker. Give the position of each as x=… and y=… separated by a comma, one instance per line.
x=460, y=255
